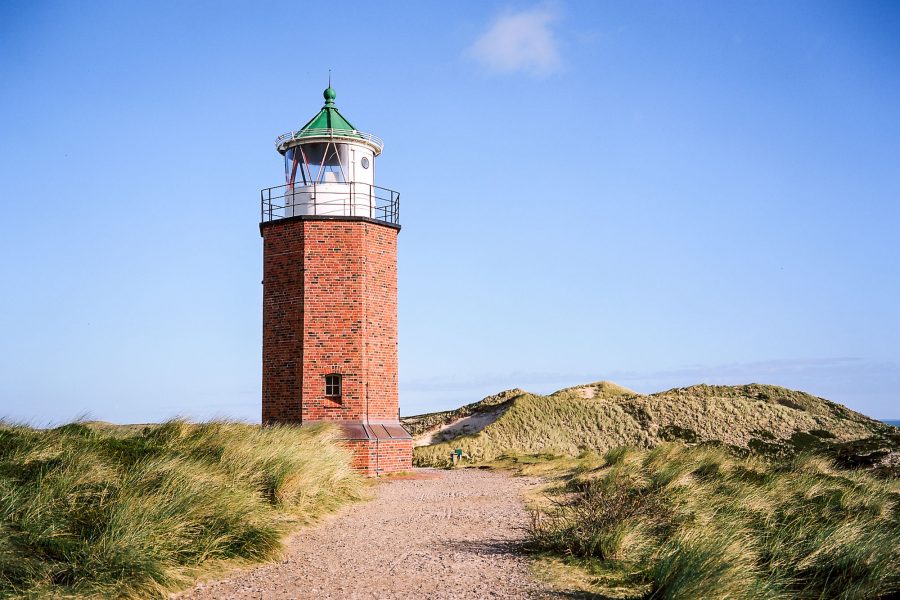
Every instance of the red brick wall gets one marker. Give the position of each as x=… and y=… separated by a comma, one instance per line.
x=377, y=457
x=334, y=307
x=394, y=455
x=329, y=306
x=380, y=324
x=364, y=455
x=282, y=321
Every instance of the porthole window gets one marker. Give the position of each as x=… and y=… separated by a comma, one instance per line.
x=365, y=162
x=333, y=386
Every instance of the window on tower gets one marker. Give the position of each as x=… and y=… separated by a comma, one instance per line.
x=333, y=385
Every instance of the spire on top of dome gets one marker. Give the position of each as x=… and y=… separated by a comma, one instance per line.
x=328, y=123
x=329, y=92
x=329, y=95
x=329, y=117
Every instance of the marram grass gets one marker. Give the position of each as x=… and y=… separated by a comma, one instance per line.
x=106, y=512
x=683, y=523
x=759, y=419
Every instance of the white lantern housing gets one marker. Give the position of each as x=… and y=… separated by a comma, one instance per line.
x=329, y=170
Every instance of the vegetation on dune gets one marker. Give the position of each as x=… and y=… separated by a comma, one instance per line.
x=419, y=424
x=759, y=419
x=700, y=522
x=99, y=511
x=700, y=492
x=535, y=424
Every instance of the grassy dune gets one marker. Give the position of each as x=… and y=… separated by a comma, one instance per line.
x=682, y=523
x=100, y=511
x=739, y=492
x=419, y=424
x=598, y=417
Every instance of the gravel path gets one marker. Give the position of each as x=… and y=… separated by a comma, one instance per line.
x=444, y=534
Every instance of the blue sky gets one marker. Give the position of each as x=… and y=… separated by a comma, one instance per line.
x=656, y=193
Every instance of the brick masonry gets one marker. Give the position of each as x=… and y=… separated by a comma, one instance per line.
x=374, y=457
x=330, y=307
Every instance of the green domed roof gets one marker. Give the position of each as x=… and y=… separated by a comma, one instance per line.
x=329, y=117
x=328, y=123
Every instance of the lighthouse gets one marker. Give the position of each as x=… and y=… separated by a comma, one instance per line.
x=330, y=291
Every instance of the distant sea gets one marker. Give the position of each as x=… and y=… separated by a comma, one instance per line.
x=894, y=422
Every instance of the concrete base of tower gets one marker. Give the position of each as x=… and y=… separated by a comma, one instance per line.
x=380, y=456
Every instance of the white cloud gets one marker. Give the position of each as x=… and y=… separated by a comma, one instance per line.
x=521, y=41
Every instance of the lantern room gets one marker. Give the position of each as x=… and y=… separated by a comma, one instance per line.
x=329, y=170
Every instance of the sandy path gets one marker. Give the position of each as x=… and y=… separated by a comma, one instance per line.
x=448, y=534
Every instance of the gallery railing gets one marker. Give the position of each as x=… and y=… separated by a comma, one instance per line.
x=330, y=199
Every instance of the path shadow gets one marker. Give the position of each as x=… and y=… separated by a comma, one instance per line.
x=516, y=548
x=573, y=595
x=503, y=548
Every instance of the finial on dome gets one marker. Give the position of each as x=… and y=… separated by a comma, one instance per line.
x=329, y=92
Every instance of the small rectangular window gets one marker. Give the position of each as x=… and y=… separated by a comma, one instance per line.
x=333, y=385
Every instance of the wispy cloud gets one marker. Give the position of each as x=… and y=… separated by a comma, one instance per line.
x=523, y=41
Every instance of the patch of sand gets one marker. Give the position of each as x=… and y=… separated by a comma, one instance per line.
x=604, y=389
x=463, y=426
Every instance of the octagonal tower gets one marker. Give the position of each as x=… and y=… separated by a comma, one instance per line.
x=330, y=291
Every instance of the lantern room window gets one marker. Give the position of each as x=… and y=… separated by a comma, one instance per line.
x=321, y=162
x=333, y=386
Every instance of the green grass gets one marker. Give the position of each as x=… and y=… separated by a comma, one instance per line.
x=752, y=418
x=679, y=522
x=99, y=511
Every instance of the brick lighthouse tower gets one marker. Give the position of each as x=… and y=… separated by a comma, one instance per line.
x=330, y=291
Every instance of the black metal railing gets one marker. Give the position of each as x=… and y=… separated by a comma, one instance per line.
x=330, y=199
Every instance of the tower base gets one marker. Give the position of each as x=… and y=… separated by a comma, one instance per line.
x=378, y=457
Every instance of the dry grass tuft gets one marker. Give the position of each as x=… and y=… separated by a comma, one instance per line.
x=100, y=511
x=678, y=522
